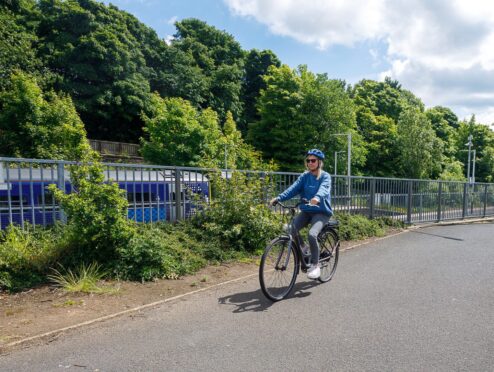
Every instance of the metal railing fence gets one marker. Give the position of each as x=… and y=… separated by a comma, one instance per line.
x=157, y=193
x=115, y=148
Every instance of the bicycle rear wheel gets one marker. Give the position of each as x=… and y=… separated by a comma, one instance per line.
x=278, y=269
x=329, y=244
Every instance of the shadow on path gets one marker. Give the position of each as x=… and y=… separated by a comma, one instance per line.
x=440, y=236
x=256, y=301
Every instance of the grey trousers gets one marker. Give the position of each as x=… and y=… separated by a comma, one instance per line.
x=317, y=221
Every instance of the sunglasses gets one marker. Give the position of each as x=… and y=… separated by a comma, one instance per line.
x=310, y=160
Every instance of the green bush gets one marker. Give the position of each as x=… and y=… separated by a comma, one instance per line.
x=96, y=210
x=356, y=227
x=26, y=255
x=161, y=251
x=389, y=222
x=236, y=214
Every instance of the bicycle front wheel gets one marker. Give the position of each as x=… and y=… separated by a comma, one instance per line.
x=329, y=244
x=278, y=269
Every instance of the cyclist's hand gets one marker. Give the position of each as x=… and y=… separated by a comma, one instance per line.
x=273, y=202
x=314, y=201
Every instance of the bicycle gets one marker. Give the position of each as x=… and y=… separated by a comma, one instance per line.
x=284, y=257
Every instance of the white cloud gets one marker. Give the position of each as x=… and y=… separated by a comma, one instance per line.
x=442, y=50
x=172, y=20
x=169, y=39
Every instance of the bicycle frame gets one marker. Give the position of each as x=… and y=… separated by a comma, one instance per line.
x=296, y=240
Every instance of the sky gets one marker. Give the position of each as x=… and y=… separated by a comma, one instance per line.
x=441, y=50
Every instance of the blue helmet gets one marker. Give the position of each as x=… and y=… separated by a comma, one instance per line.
x=316, y=152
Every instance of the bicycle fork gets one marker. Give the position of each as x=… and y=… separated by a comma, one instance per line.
x=285, y=260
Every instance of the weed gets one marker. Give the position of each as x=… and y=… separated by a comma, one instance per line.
x=85, y=279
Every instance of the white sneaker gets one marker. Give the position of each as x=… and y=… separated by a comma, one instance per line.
x=314, y=272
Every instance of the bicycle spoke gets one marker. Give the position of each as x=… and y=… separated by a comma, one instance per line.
x=278, y=270
x=329, y=244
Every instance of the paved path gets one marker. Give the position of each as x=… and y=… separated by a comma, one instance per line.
x=419, y=301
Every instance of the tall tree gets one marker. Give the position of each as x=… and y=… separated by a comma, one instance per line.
x=221, y=61
x=256, y=66
x=378, y=107
x=16, y=46
x=177, y=134
x=99, y=62
x=420, y=148
x=38, y=125
x=482, y=142
x=300, y=110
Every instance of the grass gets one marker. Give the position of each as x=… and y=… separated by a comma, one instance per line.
x=84, y=279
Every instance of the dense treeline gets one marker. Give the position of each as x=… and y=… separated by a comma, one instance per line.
x=202, y=96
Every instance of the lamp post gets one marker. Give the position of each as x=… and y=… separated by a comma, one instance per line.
x=349, y=162
x=349, y=151
x=473, y=170
x=469, y=144
x=336, y=161
x=226, y=155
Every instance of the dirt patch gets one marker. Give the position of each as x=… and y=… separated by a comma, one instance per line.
x=47, y=308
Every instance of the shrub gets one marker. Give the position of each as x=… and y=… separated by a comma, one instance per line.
x=355, y=227
x=26, y=255
x=96, y=216
x=236, y=214
x=159, y=251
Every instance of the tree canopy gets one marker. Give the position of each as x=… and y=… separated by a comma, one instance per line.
x=70, y=67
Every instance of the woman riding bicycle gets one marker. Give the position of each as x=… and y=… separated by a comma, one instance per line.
x=314, y=186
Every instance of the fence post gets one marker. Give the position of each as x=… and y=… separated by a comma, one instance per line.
x=465, y=202
x=372, y=197
x=178, y=195
x=485, y=200
x=61, y=186
x=409, y=204
x=439, y=197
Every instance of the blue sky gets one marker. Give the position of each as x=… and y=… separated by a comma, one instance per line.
x=443, y=51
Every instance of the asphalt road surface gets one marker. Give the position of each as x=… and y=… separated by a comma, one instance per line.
x=419, y=301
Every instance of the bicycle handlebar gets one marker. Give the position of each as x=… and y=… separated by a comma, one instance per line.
x=302, y=201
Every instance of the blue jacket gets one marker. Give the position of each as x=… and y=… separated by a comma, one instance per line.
x=308, y=187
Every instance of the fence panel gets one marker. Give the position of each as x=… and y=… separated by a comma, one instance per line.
x=161, y=193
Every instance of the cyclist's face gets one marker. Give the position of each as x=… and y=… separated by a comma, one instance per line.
x=312, y=162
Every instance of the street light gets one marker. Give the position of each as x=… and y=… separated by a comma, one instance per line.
x=473, y=173
x=349, y=151
x=349, y=163
x=469, y=144
x=336, y=161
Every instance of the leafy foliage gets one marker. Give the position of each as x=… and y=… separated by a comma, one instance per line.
x=179, y=134
x=26, y=255
x=300, y=110
x=356, y=227
x=420, y=148
x=109, y=64
x=257, y=64
x=221, y=61
x=16, y=48
x=236, y=213
x=96, y=211
x=164, y=251
x=37, y=125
